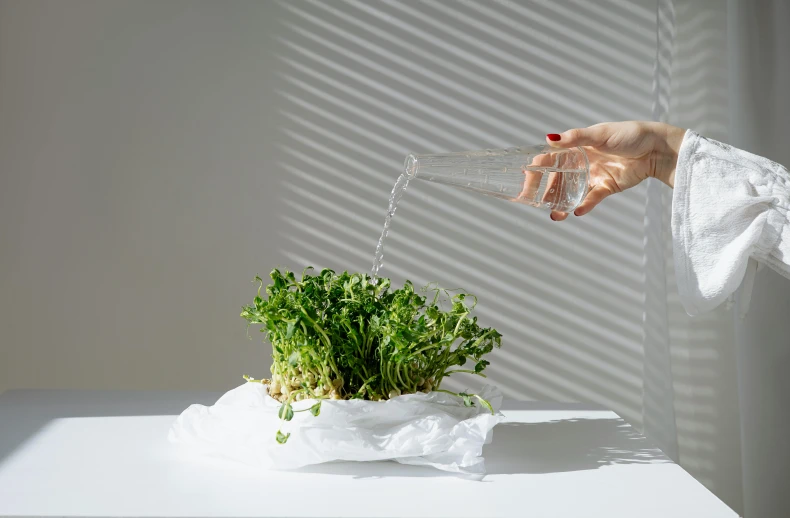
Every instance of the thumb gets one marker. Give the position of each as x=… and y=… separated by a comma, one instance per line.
x=594, y=136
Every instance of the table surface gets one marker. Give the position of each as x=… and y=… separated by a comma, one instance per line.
x=90, y=453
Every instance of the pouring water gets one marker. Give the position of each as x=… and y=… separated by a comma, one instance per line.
x=540, y=176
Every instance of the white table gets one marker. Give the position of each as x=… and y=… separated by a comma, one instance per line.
x=106, y=454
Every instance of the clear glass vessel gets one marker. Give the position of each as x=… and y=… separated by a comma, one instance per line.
x=540, y=176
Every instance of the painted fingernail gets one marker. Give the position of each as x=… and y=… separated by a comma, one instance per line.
x=552, y=217
x=554, y=137
x=577, y=212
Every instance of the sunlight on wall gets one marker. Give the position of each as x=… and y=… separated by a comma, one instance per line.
x=363, y=84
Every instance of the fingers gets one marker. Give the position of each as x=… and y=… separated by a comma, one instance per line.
x=596, y=195
x=553, y=188
x=531, y=185
x=552, y=194
x=532, y=178
x=594, y=136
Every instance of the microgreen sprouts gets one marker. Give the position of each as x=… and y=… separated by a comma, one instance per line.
x=348, y=336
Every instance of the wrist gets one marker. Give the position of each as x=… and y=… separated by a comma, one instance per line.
x=665, y=154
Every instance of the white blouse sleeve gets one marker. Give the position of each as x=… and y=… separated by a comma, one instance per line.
x=727, y=206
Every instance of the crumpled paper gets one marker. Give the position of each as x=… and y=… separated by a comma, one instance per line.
x=433, y=429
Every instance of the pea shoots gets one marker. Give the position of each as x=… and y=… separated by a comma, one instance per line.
x=350, y=336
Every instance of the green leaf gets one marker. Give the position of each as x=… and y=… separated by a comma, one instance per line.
x=282, y=438
x=316, y=409
x=467, y=399
x=286, y=412
x=486, y=404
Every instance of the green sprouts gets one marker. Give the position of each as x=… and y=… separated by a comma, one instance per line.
x=347, y=336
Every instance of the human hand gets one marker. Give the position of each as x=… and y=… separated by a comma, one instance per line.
x=621, y=155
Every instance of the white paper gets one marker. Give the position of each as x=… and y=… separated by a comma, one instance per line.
x=433, y=429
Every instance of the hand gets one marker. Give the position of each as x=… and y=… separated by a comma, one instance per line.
x=621, y=155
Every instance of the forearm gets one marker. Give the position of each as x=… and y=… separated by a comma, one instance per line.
x=664, y=157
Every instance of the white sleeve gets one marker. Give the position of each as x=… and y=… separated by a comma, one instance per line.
x=727, y=206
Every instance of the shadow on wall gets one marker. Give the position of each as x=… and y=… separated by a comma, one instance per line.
x=364, y=84
x=703, y=348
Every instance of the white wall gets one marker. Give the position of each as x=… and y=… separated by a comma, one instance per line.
x=138, y=191
x=156, y=156
x=703, y=348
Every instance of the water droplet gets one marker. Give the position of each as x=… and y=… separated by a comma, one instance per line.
x=551, y=190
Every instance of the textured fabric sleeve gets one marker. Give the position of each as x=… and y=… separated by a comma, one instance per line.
x=727, y=206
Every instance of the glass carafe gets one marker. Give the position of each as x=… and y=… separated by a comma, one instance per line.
x=540, y=175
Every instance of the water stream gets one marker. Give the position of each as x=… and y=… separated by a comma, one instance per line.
x=397, y=192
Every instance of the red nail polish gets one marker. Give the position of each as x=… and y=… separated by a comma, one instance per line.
x=554, y=137
x=552, y=217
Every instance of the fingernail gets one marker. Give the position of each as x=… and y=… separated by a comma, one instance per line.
x=552, y=217
x=576, y=212
x=554, y=137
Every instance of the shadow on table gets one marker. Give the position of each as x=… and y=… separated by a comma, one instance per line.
x=523, y=448
x=31, y=412
x=567, y=445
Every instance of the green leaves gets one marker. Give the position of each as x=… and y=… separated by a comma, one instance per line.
x=293, y=359
x=343, y=335
x=290, y=328
x=282, y=438
x=485, y=404
x=467, y=399
x=286, y=412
